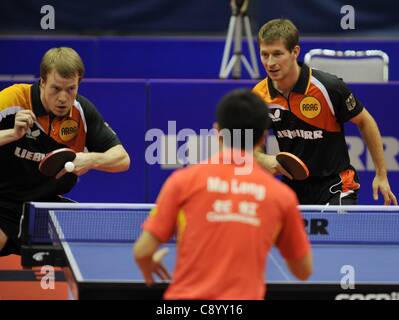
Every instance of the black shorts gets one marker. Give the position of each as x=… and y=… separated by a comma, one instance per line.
x=347, y=200
x=10, y=216
x=10, y=220
x=340, y=189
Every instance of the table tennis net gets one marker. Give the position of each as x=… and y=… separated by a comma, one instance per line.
x=98, y=225
x=349, y=225
x=87, y=224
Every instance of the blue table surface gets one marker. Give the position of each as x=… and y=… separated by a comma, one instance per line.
x=113, y=262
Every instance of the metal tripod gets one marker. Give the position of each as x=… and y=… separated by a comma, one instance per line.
x=238, y=19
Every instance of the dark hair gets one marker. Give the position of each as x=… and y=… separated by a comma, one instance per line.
x=242, y=109
x=279, y=29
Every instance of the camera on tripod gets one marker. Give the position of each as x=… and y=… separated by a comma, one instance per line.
x=239, y=22
x=239, y=6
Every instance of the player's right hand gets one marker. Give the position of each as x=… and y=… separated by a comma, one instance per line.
x=270, y=163
x=23, y=121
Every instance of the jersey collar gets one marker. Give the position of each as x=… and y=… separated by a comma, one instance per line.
x=300, y=87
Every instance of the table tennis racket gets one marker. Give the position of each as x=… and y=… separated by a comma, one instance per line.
x=56, y=161
x=295, y=166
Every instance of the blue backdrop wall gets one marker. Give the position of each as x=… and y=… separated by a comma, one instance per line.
x=169, y=57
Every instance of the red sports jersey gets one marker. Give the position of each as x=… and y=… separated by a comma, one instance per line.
x=226, y=224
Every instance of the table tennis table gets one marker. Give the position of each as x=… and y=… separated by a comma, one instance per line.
x=352, y=246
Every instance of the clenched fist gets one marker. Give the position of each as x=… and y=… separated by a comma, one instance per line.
x=23, y=121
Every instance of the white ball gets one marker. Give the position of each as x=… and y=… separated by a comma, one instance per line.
x=69, y=166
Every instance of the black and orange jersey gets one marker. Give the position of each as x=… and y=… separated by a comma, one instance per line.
x=83, y=129
x=309, y=123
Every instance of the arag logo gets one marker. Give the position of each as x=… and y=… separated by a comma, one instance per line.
x=310, y=107
x=68, y=130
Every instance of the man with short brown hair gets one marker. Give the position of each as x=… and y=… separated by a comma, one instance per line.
x=65, y=60
x=308, y=109
x=37, y=119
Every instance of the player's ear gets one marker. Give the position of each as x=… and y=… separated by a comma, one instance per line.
x=219, y=134
x=296, y=51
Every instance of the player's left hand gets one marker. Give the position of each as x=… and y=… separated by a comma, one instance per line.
x=158, y=267
x=381, y=184
x=155, y=265
x=83, y=163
